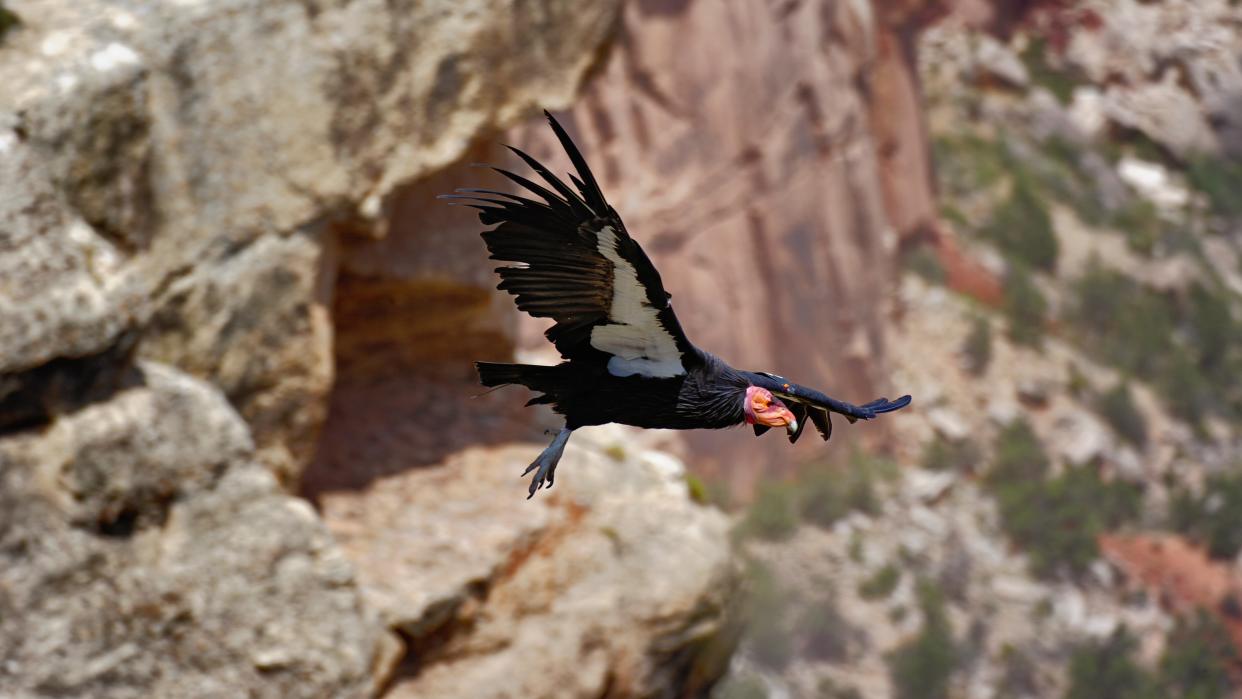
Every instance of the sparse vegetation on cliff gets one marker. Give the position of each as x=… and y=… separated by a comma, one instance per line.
x=921, y=667
x=828, y=492
x=1054, y=519
x=1025, y=307
x=977, y=347
x=881, y=584
x=1022, y=228
x=942, y=454
x=1117, y=407
x=1196, y=664
x=766, y=618
x=1220, y=180
x=1212, y=517
x=8, y=20
x=774, y=513
x=1185, y=346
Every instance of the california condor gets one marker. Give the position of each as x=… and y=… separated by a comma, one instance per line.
x=627, y=359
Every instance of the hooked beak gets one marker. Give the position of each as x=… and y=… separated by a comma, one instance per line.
x=779, y=416
x=763, y=408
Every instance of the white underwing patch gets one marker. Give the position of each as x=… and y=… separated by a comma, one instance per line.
x=635, y=338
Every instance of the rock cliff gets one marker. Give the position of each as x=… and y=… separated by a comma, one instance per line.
x=240, y=448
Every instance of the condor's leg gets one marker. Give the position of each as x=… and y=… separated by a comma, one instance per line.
x=546, y=463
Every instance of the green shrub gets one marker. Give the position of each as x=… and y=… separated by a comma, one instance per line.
x=1076, y=383
x=712, y=492
x=1019, y=674
x=773, y=516
x=1025, y=307
x=1213, y=329
x=696, y=488
x=1213, y=518
x=1055, y=520
x=828, y=493
x=829, y=689
x=880, y=585
x=1187, y=347
x=921, y=667
x=1019, y=455
x=826, y=634
x=1022, y=228
x=1060, y=83
x=977, y=347
x=1221, y=181
x=765, y=613
x=941, y=454
x=1117, y=407
x=744, y=685
x=967, y=163
x=1197, y=663
x=1140, y=222
x=1121, y=322
x=1184, y=387
x=8, y=20
x=1198, y=660
x=922, y=261
x=1106, y=670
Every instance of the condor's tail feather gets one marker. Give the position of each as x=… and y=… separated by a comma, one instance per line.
x=545, y=379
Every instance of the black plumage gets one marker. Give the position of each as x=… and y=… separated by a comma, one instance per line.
x=627, y=359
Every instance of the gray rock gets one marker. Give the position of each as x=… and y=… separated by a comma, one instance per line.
x=613, y=579
x=998, y=60
x=183, y=160
x=143, y=552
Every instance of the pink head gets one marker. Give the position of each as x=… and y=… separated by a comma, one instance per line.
x=763, y=408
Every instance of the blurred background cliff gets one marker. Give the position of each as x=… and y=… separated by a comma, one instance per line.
x=240, y=448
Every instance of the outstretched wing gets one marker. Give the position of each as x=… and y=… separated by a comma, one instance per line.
x=576, y=264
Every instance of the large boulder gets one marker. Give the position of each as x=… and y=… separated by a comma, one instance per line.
x=612, y=583
x=144, y=552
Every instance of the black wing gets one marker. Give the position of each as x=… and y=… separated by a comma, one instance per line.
x=577, y=265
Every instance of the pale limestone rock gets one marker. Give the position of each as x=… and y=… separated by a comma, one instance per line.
x=998, y=60
x=612, y=576
x=948, y=424
x=1086, y=110
x=177, y=159
x=1172, y=70
x=143, y=552
x=1152, y=180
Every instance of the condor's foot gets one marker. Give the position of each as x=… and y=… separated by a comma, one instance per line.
x=545, y=465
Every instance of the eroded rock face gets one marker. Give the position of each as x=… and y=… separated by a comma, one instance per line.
x=613, y=583
x=174, y=181
x=174, y=168
x=1170, y=69
x=757, y=197
x=144, y=552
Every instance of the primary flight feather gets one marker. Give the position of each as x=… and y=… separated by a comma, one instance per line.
x=626, y=358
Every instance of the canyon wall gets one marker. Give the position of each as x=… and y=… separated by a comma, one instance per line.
x=236, y=327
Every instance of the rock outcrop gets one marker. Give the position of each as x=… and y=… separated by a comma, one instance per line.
x=145, y=552
x=611, y=584
x=759, y=198
x=179, y=171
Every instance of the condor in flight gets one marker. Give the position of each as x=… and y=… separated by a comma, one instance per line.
x=627, y=359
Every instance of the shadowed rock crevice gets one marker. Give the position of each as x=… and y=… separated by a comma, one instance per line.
x=34, y=397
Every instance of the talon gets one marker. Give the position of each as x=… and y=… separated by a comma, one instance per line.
x=546, y=463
